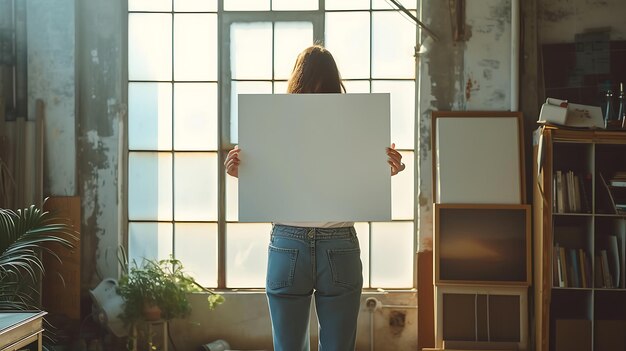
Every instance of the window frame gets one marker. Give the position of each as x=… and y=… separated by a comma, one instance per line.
x=224, y=21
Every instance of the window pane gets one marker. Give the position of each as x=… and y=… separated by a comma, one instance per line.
x=246, y=254
x=294, y=5
x=195, y=116
x=232, y=199
x=237, y=88
x=251, y=50
x=348, y=39
x=357, y=86
x=363, y=233
x=149, y=116
x=195, y=5
x=150, y=5
x=402, y=110
x=149, y=46
x=150, y=186
x=195, y=192
x=280, y=87
x=196, y=248
x=246, y=5
x=386, y=4
x=402, y=189
x=347, y=4
x=149, y=240
x=195, y=47
x=393, y=46
x=392, y=254
x=290, y=38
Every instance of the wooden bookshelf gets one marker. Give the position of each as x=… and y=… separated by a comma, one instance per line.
x=579, y=240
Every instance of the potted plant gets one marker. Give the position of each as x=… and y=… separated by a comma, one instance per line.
x=24, y=234
x=158, y=290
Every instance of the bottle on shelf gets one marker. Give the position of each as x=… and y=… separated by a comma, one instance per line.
x=621, y=114
x=610, y=120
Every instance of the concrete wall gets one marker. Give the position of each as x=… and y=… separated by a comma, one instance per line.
x=243, y=321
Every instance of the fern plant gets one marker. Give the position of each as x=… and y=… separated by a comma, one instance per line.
x=24, y=234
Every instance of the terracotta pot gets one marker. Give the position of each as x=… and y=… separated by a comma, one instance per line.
x=151, y=312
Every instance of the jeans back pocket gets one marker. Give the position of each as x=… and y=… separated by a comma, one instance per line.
x=281, y=266
x=346, y=266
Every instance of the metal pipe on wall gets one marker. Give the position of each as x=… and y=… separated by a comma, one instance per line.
x=515, y=33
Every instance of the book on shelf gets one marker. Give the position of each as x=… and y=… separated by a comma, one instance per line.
x=575, y=271
x=571, y=192
x=614, y=258
x=557, y=277
x=588, y=269
x=606, y=273
x=597, y=272
x=584, y=181
x=564, y=270
x=561, y=194
x=582, y=269
x=617, y=183
x=618, y=179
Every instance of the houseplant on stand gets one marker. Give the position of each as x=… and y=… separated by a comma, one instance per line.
x=157, y=289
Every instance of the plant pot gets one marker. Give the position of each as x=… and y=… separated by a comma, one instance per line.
x=151, y=312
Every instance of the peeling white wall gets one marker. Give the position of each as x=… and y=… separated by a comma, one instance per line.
x=51, y=77
x=487, y=58
x=474, y=74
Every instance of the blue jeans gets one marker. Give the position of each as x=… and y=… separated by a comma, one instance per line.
x=324, y=262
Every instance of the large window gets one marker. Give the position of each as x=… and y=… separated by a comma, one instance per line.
x=187, y=62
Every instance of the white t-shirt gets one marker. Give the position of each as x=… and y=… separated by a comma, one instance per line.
x=317, y=224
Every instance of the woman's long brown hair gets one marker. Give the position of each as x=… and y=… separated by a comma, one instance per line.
x=315, y=71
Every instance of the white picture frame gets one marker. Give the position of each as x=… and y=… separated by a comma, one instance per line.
x=478, y=157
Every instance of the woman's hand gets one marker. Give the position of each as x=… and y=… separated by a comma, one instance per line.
x=395, y=160
x=232, y=162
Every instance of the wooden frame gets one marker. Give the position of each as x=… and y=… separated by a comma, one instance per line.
x=521, y=292
x=479, y=178
x=487, y=253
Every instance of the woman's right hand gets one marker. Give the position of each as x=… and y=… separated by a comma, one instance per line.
x=232, y=162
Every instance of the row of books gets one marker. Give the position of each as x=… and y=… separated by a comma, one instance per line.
x=572, y=267
x=571, y=192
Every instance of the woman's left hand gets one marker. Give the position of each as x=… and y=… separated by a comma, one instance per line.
x=395, y=160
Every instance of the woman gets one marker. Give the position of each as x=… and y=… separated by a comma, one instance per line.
x=321, y=259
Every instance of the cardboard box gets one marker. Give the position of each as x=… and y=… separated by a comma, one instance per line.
x=572, y=335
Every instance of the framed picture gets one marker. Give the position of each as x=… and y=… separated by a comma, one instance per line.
x=482, y=244
x=478, y=157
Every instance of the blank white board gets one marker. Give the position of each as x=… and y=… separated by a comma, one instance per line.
x=314, y=158
x=478, y=160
